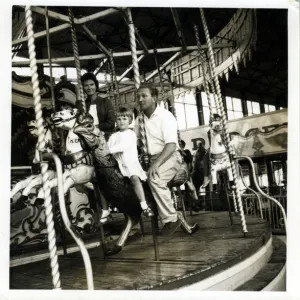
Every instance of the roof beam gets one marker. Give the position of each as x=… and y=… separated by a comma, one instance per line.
x=129, y=69
x=92, y=37
x=102, y=63
x=131, y=83
x=119, y=54
x=163, y=66
x=41, y=34
x=58, y=28
x=178, y=27
x=51, y=14
x=96, y=16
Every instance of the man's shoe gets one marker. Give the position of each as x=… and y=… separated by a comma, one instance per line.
x=114, y=250
x=170, y=228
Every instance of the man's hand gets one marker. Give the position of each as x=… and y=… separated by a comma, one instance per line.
x=153, y=171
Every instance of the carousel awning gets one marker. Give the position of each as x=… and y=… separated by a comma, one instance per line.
x=170, y=31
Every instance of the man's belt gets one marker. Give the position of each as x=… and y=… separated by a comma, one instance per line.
x=157, y=154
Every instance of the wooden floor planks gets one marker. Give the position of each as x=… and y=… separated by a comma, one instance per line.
x=215, y=245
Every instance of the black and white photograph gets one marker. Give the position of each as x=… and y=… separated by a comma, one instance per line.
x=151, y=148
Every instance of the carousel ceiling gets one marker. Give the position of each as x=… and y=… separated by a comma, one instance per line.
x=266, y=74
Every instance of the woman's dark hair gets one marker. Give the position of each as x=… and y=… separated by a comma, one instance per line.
x=153, y=90
x=90, y=76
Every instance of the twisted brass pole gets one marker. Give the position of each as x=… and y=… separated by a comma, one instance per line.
x=224, y=122
x=41, y=146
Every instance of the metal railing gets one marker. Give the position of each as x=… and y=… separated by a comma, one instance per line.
x=270, y=210
x=273, y=202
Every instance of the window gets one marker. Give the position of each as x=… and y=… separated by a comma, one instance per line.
x=186, y=111
x=278, y=173
x=56, y=73
x=234, y=108
x=253, y=108
x=205, y=107
x=269, y=108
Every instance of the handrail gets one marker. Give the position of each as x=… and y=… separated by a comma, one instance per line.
x=69, y=226
x=248, y=188
x=261, y=191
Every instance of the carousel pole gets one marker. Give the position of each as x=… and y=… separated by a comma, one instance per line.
x=77, y=60
x=154, y=220
x=160, y=81
x=234, y=196
x=206, y=87
x=164, y=95
x=111, y=86
x=41, y=146
x=106, y=85
x=202, y=59
x=224, y=123
x=114, y=80
x=137, y=83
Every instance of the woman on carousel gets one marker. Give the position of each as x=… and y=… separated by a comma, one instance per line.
x=102, y=111
x=100, y=108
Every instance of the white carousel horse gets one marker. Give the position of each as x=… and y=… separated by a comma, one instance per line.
x=77, y=162
x=218, y=155
x=28, y=218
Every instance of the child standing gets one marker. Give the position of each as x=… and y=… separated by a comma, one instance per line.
x=123, y=146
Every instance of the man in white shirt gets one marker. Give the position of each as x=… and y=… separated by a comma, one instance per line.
x=165, y=160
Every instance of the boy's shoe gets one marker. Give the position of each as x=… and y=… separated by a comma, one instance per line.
x=148, y=212
x=104, y=216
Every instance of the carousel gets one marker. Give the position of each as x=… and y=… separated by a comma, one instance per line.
x=62, y=184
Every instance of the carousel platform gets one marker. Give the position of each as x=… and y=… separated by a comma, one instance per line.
x=217, y=257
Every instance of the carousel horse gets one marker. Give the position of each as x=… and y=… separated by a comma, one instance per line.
x=115, y=188
x=218, y=155
x=35, y=179
x=28, y=220
x=77, y=163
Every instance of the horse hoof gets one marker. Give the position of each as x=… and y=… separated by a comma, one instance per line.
x=114, y=250
x=194, y=228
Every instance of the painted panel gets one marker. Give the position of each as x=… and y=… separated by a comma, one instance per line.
x=257, y=135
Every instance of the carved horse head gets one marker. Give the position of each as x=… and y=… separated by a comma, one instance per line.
x=65, y=117
x=215, y=123
x=92, y=139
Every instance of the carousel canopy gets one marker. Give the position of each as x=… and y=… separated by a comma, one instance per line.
x=102, y=28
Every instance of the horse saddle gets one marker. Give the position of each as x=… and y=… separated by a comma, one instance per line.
x=181, y=176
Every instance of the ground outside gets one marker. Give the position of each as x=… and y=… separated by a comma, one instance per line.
x=185, y=261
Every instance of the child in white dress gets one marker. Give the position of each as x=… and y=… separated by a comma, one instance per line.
x=123, y=146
